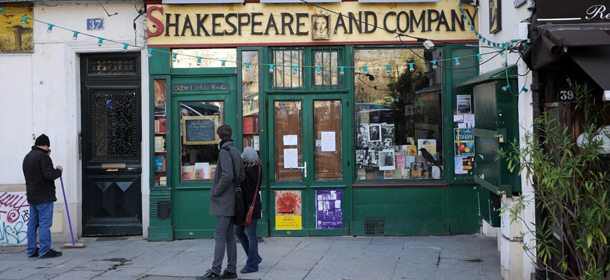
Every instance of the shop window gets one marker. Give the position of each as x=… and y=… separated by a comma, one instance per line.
x=326, y=67
x=195, y=58
x=287, y=72
x=198, y=139
x=250, y=99
x=398, y=115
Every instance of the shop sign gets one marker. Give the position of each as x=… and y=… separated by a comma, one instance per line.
x=570, y=11
x=17, y=38
x=260, y=24
x=201, y=87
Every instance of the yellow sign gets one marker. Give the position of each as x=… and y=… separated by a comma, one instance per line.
x=288, y=223
x=221, y=25
x=15, y=37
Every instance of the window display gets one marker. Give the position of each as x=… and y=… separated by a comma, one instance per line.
x=198, y=140
x=398, y=115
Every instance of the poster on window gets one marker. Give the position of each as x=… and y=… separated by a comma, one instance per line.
x=464, y=141
x=464, y=104
x=329, y=210
x=288, y=210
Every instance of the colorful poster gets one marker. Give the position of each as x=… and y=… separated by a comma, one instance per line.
x=329, y=209
x=288, y=210
x=464, y=141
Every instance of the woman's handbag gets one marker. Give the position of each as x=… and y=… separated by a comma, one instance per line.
x=251, y=210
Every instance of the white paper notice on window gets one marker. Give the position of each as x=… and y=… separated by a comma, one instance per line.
x=291, y=158
x=203, y=167
x=290, y=140
x=328, y=141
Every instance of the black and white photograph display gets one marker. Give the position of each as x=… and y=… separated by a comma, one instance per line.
x=361, y=161
x=386, y=160
x=363, y=136
x=374, y=133
x=387, y=132
x=376, y=146
x=372, y=159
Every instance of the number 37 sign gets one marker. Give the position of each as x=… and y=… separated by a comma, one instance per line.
x=95, y=24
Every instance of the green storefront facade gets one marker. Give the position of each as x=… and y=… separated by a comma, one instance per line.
x=339, y=126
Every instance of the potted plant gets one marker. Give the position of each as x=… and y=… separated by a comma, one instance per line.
x=570, y=179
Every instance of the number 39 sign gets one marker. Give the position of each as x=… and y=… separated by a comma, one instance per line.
x=95, y=24
x=566, y=95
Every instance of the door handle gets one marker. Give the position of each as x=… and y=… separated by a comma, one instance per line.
x=304, y=167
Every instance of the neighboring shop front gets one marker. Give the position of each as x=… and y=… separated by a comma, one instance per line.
x=360, y=131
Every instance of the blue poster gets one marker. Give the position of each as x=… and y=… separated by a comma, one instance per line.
x=329, y=209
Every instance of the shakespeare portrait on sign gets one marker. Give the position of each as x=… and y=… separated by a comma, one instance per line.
x=321, y=27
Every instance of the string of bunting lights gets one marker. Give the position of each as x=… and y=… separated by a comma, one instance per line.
x=504, y=47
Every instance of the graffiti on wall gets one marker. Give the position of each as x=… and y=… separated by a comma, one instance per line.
x=14, y=216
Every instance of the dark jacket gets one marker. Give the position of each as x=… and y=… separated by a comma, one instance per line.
x=40, y=176
x=229, y=175
x=249, y=186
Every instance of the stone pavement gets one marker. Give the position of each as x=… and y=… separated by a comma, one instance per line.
x=334, y=257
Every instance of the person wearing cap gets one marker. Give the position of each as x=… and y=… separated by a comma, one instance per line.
x=40, y=176
x=252, y=167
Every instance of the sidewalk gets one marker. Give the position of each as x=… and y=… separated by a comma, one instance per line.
x=338, y=257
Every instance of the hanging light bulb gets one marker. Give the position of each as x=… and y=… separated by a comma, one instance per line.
x=318, y=70
x=434, y=64
x=479, y=56
x=387, y=68
x=174, y=57
x=125, y=45
x=365, y=69
x=50, y=28
x=457, y=61
x=99, y=42
x=1, y=11
x=506, y=87
x=150, y=50
x=523, y=89
x=271, y=68
x=223, y=63
x=294, y=69
x=342, y=70
x=24, y=21
x=75, y=35
x=247, y=65
x=199, y=61
x=411, y=67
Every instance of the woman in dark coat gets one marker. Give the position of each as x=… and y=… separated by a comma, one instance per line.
x=253, y=168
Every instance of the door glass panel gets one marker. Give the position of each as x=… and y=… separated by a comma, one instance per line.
x=327, y=142
x=198, y=139
x=288, y=126
x=114, y=125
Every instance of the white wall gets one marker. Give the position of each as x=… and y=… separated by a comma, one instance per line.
x=515, y=264
x=41, y=94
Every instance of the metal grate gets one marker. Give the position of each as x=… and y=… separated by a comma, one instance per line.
x=114, y=125
x=288, y=70
x=163, y=210
x=326, y=69
x=111, y=66
x=374, y=225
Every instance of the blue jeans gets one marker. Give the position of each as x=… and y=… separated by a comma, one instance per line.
x=41, y=217
x=250, y=244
